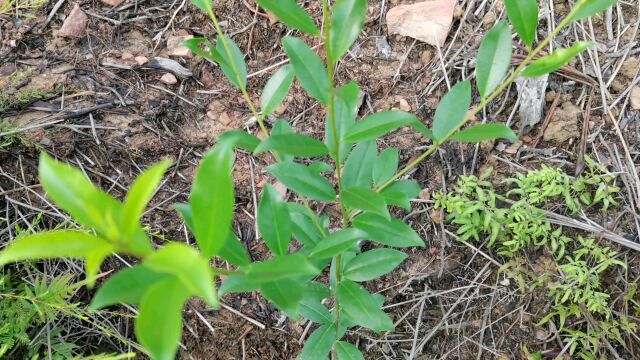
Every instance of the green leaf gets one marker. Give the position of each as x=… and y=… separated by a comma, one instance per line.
x=362, y=307
x=483, y=132
x=194, y=45
x=586, y=8
x=308, y=67
x=365, y=199
x=140, y=194
x=557, y=59
x=303, y=225
x=293, y=144
x=451, y=111
x=372, y=264
x=212, y=200
x=280, y=267
x=347, y=21
x=274, y=221
x=188, y=266
x=237, y=284
x=240, y=139
x=386, y=166
x=303, y=180
x=234, y=67
x=358, y=170
x=523, y=14
x=276, y=89
x=319, y=344
x=347, y=102
x=337, y=242
x=311, y=307
x=158, y=326
x=494, y=58
x=59, y=244
x=89, y=206
x=380, y=123
x=204, y=5
x=291, y=14
x=282, y=127
x=234, y=252
x=126, y=286
x=285, y=294
x=320, y=167
x=401, y=192
x=348, y=351
x=387, y=232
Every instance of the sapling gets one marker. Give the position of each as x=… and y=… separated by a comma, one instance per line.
x=366, y=185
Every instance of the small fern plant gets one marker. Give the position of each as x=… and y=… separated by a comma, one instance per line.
x=366, y=184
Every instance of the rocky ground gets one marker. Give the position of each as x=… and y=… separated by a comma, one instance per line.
x=105, y=85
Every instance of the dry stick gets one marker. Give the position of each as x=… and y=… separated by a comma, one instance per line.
x=547, y=120
x=580, y=164
x=444, y=317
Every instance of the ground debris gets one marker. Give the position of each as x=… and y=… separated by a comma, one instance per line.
x=75, y=25
x=428, y=21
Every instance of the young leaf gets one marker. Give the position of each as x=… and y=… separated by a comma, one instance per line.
x=274, y=221
x=387, y=232
x=194, y=45
x=362, y=307
x=346, y=107
x=494, y=58
x=303, y=180
x=74, y=193
x=555, y=61
x=348, y=351
x=386, y=166
x=237, y=284
x=237, y=74
x=400, y=193
x=204, y=5
x=308, y=67
x=282, y=127
x=363, y=198
x=291, y=14
x=303, y=226
x=240, y=139
x=523, y=15
x=358, y=170
x=140, y=193
x=337, y=242
x=586, y=8
x=126, y=286
x=373, y=264
x=58, y=244
x=483, y=132
x=451, y=111
x=188, y=266
x=276, y=89
x=319, y=344
x=381, y=123
x=281, y=267
x=293, y=144
x=346, y=24
x=311, y=303
x=234, y=252
x=158, y=326
x=212, y=199
x=285, y=294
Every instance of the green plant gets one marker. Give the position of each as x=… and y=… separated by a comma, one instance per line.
x=367, y=183
x=573, y=283
x=25, y=307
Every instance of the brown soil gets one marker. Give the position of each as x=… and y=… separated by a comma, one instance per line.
x=119, y=118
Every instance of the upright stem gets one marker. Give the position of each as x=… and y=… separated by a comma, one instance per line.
x=331, y=112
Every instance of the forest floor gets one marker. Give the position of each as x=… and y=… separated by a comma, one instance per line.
x=95, y=103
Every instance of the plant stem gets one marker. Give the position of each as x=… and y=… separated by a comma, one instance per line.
x=516, y=73
x=259, y=118
x=331, y=113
